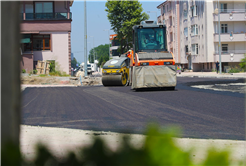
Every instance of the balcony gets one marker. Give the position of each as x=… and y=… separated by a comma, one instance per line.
x=227, y=37
x=231, y=15
x=46, y=16
x=230, y=55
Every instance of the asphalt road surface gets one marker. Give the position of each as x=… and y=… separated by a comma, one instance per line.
x=200, y=113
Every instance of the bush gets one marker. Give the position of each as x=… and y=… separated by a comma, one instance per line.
x=52, y=66
x=158, y=149
x=235, y=70
x=23, y=71
x=243, y=63
x=33, y=71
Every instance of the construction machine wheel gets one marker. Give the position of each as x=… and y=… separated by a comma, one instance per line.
x=114, y=80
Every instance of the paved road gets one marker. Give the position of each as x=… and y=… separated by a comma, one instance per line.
x=200, y=113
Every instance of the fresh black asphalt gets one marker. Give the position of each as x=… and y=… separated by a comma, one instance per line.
x=199, y=113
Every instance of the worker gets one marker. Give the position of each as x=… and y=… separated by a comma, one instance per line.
x=130, y=53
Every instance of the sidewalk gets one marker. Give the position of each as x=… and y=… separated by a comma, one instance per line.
x=211, y=75
x=61, y=140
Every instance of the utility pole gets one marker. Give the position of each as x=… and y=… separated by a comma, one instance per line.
x=10, y=73
x=85, y=42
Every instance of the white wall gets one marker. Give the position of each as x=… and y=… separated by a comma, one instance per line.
x=59, y=52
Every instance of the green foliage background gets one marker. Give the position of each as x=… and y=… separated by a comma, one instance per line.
x=159, y=149
x=123, y=15
x=101, y=54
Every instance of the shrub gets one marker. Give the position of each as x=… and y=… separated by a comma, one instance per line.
x=23, y=71
x=158, y=149
x=33, y=71
x=235, y=70
x=242, y=63
x=52, y=66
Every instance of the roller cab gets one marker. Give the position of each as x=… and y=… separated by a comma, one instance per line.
x=115, y=72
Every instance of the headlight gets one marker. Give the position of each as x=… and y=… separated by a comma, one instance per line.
x=117, y=71
x=105, y=71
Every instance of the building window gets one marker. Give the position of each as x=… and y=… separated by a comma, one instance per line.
x=193, y=10
x=224, y=28
x=170, y=6
x=186, y=32
x=164, y=11
x=224, y=48
x=167, y=9
x=41, y=42
x=170, y=21
x=185, y=14
x=194, y=49
x=186, y=49
x=171, y=37
x=43, y=7
x=223, y=7
x=194, y=29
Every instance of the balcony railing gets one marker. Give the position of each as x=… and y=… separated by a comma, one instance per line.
x=232, y=10
x=231, y=52
x=47, y=16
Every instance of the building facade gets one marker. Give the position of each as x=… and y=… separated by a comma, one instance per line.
x=46, y=34
x=197, y=32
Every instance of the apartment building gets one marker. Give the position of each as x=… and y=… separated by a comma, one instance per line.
x=198, y=32
x=46, y=34
x=169, y=13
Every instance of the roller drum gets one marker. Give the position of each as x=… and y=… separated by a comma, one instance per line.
x=113, y=80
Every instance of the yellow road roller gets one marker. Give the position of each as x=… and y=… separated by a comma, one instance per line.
x=116, y=72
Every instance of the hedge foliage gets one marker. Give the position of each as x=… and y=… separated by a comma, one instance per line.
x=158, y=149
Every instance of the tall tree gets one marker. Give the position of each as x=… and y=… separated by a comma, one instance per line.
x=123, y=15
x=101, y=54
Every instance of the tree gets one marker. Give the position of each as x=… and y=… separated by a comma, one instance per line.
x=74, y=62
x=101, y=54
x=243, y=63
x=123, y=15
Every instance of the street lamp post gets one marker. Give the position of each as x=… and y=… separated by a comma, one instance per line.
x=85, y=42
x=108, y=43
x=155, y=14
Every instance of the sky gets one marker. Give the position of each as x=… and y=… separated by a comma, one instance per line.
x=97, y=24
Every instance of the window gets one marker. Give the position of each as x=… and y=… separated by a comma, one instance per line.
x=194, y=30
x=194, y=49
x=193, y=10
x=164, y=11
x=186, y=32
x=186, y=49
x=41, y=42
x=151, y=39
x=223, y=7
x=170, y=8
x=171, y=37
x=43, y=7
x=167, y=9
x=224, y=48
x=170, y=21
x=224, y=28
x=185, y=14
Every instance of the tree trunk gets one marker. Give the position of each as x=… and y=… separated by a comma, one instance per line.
x=10, y=71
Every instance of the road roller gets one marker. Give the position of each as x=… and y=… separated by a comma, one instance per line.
x=115, y=72
x=152, y=64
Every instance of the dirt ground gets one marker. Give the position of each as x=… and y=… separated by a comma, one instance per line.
x=51, y=80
